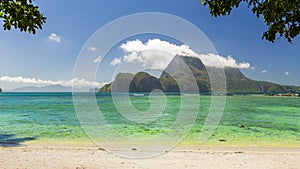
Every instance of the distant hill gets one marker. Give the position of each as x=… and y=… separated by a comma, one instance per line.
x=52, y=88
x=236, y=81
x=126, y=82
x=143, y=82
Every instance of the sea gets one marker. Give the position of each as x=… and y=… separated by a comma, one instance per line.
x=247, y=120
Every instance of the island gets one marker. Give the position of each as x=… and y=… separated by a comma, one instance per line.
x=236, y=81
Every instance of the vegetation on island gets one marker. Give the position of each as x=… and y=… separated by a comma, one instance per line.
x=174, y=75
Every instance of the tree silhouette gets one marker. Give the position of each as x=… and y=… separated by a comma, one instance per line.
x=281, y=16
x=22, y=15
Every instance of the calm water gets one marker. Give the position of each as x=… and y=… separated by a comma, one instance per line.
x=51, y=117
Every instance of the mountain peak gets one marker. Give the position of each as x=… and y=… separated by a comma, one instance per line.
x=179, y=61
x=143, y=82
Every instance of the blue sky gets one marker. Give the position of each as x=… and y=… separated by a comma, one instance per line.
x=73, y=22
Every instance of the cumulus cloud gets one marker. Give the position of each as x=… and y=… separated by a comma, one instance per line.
x=115, y=62
x=264, y=71
x=54, y=37
x=215, y=60
x=157, y=54
x=79, y=83
x=92, y=48
x=287, y=73
x=68, y=83
x=97, y=59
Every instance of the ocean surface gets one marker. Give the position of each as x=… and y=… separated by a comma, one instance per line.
x=246, y=120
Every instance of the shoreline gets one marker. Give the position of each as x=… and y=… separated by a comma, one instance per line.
x=179, y=147
x=184, y=143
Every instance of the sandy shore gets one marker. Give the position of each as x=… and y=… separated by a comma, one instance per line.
x=90, y=156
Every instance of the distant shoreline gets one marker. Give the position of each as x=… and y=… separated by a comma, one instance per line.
x=172, y=93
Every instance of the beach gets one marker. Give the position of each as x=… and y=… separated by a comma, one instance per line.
x=85, y=156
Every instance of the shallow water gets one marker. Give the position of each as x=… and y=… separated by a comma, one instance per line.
x=246, y=119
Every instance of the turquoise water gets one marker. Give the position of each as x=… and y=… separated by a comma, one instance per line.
x=51, y=117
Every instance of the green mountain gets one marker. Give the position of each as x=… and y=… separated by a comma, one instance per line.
x=121, y=82
x=143, y=82
x=183, y=71
x=126, y=82
x=237, y=82
x=178, y=73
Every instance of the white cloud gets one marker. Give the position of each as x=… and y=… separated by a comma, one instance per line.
x=76, y=82
x=215, y=60
x=92, y=48
x=97, y=59
x=54, y=37
x=287, y=73
x=115, y=62
x=264, y=71
x=157, y=54
x=79, y=83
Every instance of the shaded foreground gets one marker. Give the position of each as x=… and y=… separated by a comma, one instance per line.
x=89, y=156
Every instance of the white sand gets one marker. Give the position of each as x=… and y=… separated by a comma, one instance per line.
x=89, y=156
